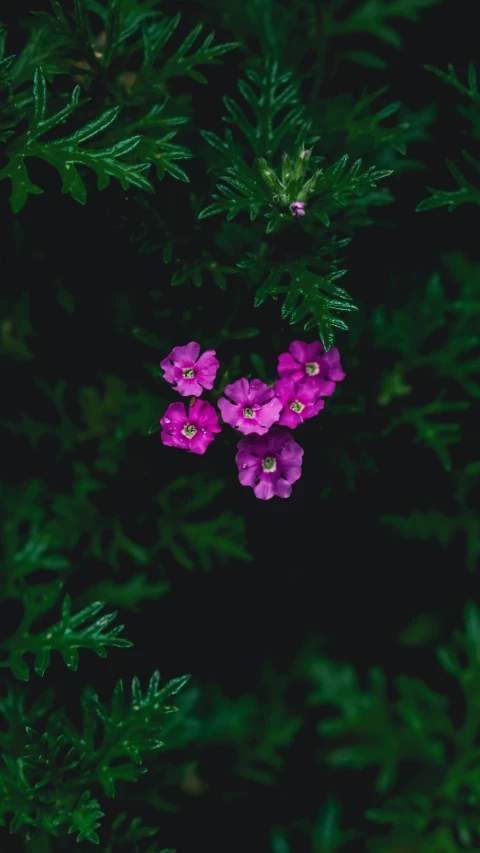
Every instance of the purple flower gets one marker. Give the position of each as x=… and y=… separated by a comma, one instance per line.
x=310, y=360
x=269, y=463
x=193, y=431
x=192, y=374
x=254, y=407
x=299, y=400
x=297, y=208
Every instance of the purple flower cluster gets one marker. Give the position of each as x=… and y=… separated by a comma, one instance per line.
x=268, y=459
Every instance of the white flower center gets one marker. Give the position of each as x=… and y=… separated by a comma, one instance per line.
x=188, y=373
x=296, y=406
x=269, y=463
x=189, y=430
x=312, y=368
x=248, y=413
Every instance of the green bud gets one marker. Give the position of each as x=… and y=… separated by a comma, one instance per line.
x=269, y=176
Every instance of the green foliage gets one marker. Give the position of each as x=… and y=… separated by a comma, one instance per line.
x=130, y=594
x=435, y=525
x=48, y=763
x=364, y=123
x=257, y=728
x=451, y=78
x=67, y=636
x=373, y=18
x=332, y=188
x=467, y=191
x=191, y=542
x=65, y=153
x=128, y=26
x=256, y=190
x=340, y=189
x=322, y=26
x=431, y=432
x=410, y=331
x=128, y=730
x=309, y=293
x=63, y=42
x=326, y=835
x=86, y=818
x=278, y=114
x=415, y=728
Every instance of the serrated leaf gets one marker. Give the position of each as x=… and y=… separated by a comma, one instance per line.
x=65, y=153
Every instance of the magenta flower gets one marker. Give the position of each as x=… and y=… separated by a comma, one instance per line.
x=254, y=407
x=297, y=208
x=193, y=431
x=269, y=463
x=310, y=360
x=300, y=400
x=190, y=373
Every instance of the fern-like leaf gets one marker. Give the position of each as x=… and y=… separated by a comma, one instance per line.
x=129, y=729
x=466, y=192
x=66, y=153
x=71, y=633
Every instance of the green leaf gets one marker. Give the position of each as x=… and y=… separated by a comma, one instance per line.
x=310, y=294
x=198, y=542
x=85, y=819
x=139, y=724
x=131, y=594
x=65, y=153
x=67, y=636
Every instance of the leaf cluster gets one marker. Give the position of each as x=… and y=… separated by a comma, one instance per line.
x=468, y=189
x=433, y=333
x=133, y=59
x=408, y=724
x=51, y=767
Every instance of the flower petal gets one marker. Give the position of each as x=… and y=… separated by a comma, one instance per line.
x=284, y=388
x=199, y=443
x=175, y=414
x=259, y=392
x=204, y=415
x=238, y=391
x=249, y=426
x=290, y=419
x=288, y=366
x=231, y=412
x=248, y=476
x=282, y=488
x=206, y=368
x=185, y=356
x=311, y=411
x=277, y=439
x=304, y=353
x=169, y=368
x=254, y=446
x=264, y=489
x=188, y=387
x=333, y=368
x=308, y=391
x=269, y=413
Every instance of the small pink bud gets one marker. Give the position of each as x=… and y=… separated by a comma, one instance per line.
x=297, y=208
